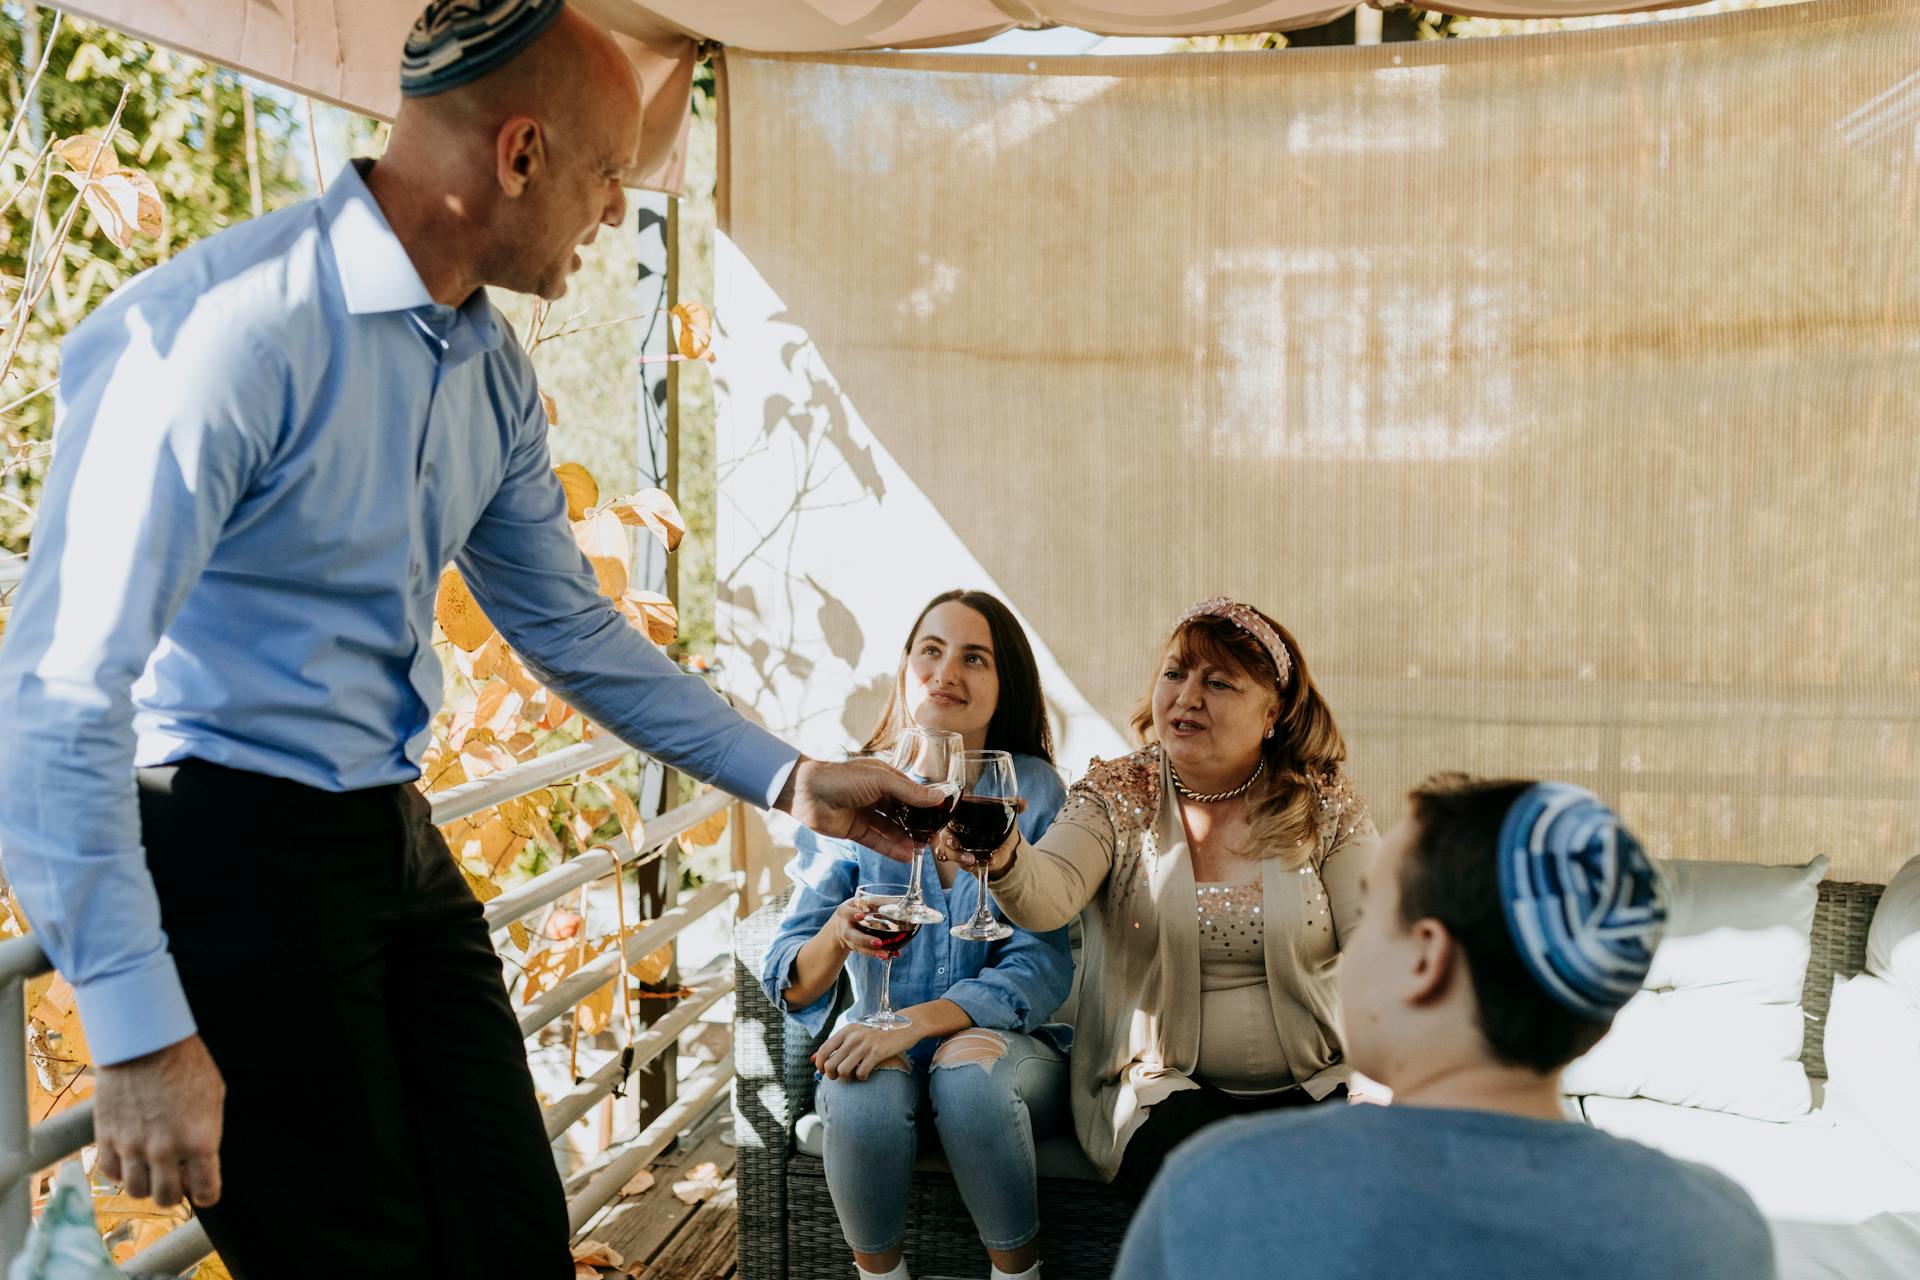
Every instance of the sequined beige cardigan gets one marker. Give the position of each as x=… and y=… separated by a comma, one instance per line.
x=1117, y=857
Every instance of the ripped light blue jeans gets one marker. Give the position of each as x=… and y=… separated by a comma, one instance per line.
x=989, y=1093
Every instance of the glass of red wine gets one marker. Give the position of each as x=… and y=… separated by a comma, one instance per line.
x=981, y=823
x=890, y=934
x=931, y=756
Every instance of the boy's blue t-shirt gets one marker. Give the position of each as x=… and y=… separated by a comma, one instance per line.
x=1365, y=1193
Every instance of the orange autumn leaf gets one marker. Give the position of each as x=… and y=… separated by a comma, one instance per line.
x=441, y=770
x=83, y=151
x=493, y=842
x=558, y=713
x=497, y=708
x=585, y=822
x=708, y=830
x=701, y=1182
x=653, y=966
x=481, y=755
x=483, y=888
x=612, y=575
x=598, y=1253
x=652, y=613
x=489, y=658
x=547, y=969
x=595, y=1013
x=552, y=408
x=694, y=340
x=459, y=614
x=125, y=202
x=654, y=510
x=582, y=489
x=628, y=812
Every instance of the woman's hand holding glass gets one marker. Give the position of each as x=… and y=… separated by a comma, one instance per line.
x=998, y=861
x=848, y=936
x=875, y=916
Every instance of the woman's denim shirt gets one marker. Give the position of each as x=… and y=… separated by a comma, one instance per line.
x=1014, y=984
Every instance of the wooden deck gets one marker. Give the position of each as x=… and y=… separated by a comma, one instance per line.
x=661, y=1237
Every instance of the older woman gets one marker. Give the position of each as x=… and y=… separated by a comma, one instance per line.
x=1216, y=872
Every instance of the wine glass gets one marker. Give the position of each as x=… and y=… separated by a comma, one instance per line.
x=931, y=756
x=981, y=823
x=891, y=934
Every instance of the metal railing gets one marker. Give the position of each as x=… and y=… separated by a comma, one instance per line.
x=26, y=1148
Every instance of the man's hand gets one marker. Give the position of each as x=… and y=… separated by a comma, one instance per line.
x=854, y=1052
x=157, y=1121
x=845, y=800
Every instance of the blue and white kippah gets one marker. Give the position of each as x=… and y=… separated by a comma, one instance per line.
x=1584, y=904
x=455, y=41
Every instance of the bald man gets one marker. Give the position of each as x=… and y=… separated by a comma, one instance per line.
x=219, y=678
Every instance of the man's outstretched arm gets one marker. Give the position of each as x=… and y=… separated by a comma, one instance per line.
x=537, y=587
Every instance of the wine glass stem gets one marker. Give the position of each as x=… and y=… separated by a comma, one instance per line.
x=913, y=878
x=982, y=914
x=886, y=985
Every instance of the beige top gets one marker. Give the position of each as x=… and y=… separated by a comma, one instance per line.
x=1239, y=1045
x=1118, y=852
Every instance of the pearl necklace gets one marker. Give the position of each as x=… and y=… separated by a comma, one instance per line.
x=1217, y=796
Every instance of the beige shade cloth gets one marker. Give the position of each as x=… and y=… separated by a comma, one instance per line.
x=1559, y=392
x=348, y=51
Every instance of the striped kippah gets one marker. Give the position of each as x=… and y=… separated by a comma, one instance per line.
x=455, y=41
x=1584, y=904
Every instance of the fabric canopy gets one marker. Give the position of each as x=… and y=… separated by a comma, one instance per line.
x=348, y=51
x=1559, y=393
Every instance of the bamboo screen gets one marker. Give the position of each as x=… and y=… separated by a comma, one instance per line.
x=1558, y=392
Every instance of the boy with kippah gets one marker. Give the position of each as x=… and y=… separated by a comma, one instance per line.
x=1503, y=925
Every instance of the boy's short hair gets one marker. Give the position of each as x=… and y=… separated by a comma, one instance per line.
x=1452, y=874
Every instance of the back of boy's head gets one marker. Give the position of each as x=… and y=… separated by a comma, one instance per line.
x=1542, y=1005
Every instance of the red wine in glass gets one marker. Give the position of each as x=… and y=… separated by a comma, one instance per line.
x=878, y=918
x=981, y=824
x=889, y=934
x=930, y=756
x=923, y=821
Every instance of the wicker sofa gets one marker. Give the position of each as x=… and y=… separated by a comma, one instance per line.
x=788, y=1230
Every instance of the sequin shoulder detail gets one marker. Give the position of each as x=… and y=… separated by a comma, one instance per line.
x=1340, y=810
x=1129, y=788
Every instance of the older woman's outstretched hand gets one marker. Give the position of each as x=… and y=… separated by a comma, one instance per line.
x=948, y=850
x=849, y=800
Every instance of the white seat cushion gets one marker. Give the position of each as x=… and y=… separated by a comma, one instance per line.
x=1893, y=940
x=1718, y=1022
x=1841, y=1206
x=1873, y=1057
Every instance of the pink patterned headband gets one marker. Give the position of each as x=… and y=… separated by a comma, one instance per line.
x=1250, y=622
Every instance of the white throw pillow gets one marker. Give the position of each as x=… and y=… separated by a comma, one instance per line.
x=1893, y=941
x=1873, y=1059
x=1717, y=1023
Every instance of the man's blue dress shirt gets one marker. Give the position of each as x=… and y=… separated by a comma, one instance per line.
x=265, y=451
